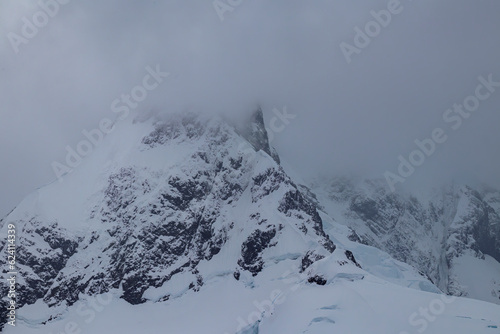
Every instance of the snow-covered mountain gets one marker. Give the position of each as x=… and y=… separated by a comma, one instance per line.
x=451, y=234
x=187, y=223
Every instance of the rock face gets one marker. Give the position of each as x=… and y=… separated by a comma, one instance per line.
x=454, y=231
x=163, y=198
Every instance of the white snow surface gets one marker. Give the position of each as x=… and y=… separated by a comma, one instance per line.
x=353, y=301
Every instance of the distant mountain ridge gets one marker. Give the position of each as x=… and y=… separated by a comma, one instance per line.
x=455, y=227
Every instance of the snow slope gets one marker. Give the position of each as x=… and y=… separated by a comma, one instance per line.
x=352, y=301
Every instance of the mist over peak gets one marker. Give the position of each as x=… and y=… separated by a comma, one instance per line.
x=356, y=117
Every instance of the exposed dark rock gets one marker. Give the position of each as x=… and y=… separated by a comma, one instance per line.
x=351, y=258
x=317, y=279
x=309, y=259
x=252, y=248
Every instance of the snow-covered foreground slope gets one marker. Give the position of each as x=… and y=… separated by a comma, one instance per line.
x=280, y=301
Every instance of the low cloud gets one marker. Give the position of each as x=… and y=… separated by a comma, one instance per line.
x=355, y=117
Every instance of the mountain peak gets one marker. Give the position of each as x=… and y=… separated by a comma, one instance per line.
x=253, y=129
x=164, y=200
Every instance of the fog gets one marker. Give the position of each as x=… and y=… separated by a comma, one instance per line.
x=354, y=113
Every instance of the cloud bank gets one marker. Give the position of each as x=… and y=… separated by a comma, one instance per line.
x=354, y=116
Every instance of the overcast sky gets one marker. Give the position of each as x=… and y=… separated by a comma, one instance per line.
x=351, y=117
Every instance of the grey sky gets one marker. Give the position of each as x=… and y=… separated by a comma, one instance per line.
x=351, y=118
